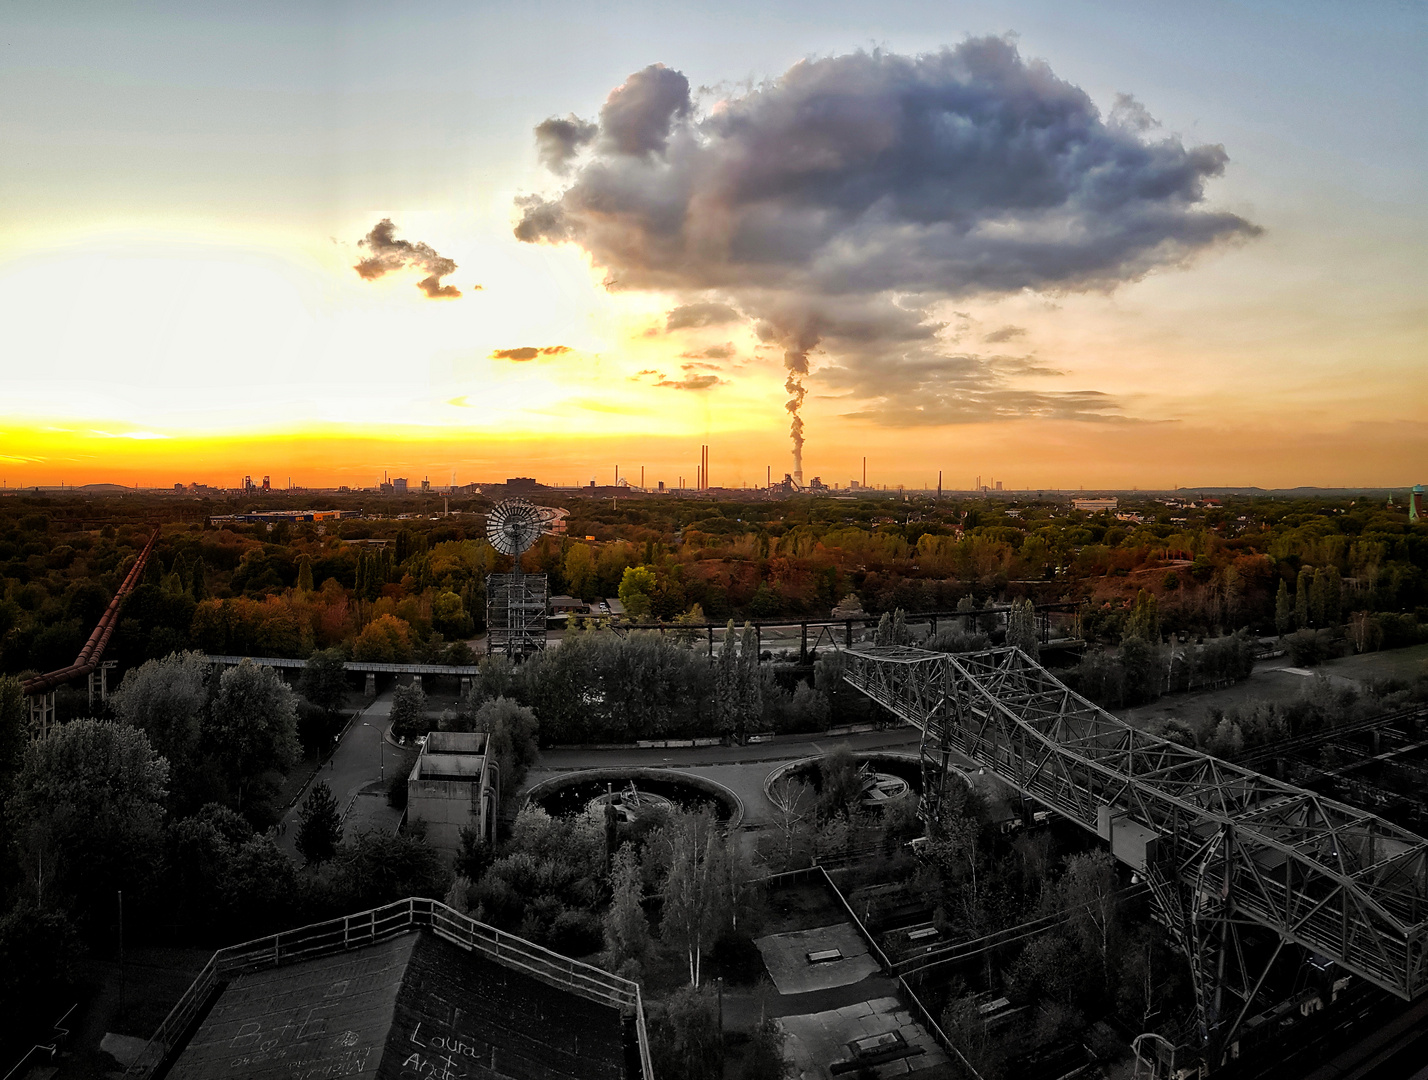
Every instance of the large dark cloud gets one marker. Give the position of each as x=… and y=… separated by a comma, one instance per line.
x=837, y=204
x=387, y=253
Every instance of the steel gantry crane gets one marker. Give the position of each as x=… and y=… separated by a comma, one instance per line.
x=1223, y=848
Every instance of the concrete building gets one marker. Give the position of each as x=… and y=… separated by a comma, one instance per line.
x=454, y=785
x=399, y=485
x=412, y=989
x=1095, y=506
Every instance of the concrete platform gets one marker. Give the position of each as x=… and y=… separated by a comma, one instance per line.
x=815, y=1040
x=786, y=958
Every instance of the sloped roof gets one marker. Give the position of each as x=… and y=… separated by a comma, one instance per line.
x=413, y=1005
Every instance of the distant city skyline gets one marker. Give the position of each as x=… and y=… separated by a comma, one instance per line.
x=1096, y=246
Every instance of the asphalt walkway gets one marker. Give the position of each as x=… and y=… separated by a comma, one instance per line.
x=362, y=757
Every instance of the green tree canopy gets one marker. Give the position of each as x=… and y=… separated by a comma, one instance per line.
x=251, y=728
x=513, y=729
x=637, y=589
x=166, y=699
x=87, y=809
x=324, y=680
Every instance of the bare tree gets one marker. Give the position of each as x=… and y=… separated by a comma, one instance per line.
x=794, y=801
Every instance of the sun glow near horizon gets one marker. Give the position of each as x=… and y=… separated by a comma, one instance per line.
x=181, y=302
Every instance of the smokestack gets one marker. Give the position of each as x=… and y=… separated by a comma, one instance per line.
x=939, y=485
x=865, y=470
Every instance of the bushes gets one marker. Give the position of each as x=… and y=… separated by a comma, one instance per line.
x=547, y=883
x=599, y=687
x=1309, y=648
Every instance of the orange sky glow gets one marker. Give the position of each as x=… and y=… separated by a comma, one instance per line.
x=181, y=298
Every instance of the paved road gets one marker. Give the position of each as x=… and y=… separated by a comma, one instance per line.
x=358, y=761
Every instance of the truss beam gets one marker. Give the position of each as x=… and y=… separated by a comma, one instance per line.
x=1222, y=846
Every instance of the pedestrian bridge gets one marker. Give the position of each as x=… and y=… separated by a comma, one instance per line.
x=374, y=667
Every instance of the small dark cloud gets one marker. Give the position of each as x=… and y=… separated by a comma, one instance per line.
x=529, y=352
x=559, y=140
x=714, y=352
x=388, y=254
x=691, y=382
x=1006, y=333
x=697, y=365
x=705, y=313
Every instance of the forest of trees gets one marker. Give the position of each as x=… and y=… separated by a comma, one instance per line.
x=170, y=791
x=413, y=589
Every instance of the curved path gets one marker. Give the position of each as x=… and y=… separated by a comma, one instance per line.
x=740, y=768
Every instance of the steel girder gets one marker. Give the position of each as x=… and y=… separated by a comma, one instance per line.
x=1221, y=845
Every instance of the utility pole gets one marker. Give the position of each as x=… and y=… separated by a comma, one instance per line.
x=121, y=953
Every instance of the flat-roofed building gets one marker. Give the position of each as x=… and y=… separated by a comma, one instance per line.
x=1095, y=506
x=455, y=784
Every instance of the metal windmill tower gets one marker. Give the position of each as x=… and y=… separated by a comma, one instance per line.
x=515, y=602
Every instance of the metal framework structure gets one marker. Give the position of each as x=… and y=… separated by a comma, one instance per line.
x=515, y=614
x=1224, y=849
x=515, y=602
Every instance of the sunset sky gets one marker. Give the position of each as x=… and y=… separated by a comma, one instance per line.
x=1058, y=245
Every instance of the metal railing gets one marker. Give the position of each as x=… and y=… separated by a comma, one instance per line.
x=380, y=924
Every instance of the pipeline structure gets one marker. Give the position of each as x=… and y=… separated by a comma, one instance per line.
x=89, y=656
